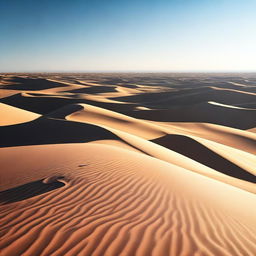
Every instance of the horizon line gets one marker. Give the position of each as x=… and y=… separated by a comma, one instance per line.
x=131, y=71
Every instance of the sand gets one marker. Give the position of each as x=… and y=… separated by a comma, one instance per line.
x=127, y=164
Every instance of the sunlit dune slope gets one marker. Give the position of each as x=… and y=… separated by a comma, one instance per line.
x=118, y=202
x=236, y=138
x=10, y=115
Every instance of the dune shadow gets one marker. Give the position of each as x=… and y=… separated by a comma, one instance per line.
x=51, y=131
x=198, y=152
x=43, y=104
x=204, y=113
x=94, y=89
x=31, y=84
x=28, y=190
x=189, y=96
x=38, y=104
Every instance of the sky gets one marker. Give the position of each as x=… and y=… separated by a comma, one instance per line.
x=122, y=35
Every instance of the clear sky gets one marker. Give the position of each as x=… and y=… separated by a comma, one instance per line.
x=122, y=35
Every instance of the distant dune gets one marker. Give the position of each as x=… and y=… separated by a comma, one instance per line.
x=127, y=164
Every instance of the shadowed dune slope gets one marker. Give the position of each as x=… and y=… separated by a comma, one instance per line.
x=193, y=149
x=51, y=131
x=192, y=96
x=94, y=89
x=122, y=203
x=42, y=105
x=239, y=139
x=21, y=83
x=205, y=113
x=45, y=103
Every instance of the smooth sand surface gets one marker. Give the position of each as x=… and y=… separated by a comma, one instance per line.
x=11, y=115
x=127, y=164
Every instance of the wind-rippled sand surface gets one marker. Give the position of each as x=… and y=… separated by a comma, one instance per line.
x=128, y=164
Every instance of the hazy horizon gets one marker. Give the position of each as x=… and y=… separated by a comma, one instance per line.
x=128, y=72
x=136, y=36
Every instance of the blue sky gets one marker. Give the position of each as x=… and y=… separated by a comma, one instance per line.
x=142, y=35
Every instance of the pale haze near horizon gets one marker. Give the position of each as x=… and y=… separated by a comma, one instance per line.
x=81, y=36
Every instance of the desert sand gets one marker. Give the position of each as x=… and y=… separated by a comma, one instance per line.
x=127, y=164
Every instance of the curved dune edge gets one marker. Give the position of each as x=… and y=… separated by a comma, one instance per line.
x=240, y=158
x=108, y=119
x=243, y=159
x=228, y=136
x=118, y=202
x=239, y=139
x=10, y=115
x=100, y=116
x=173, y=157
x=228, y=106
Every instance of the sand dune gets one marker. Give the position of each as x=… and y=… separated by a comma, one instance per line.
x=118, y=204
x=10, y=115
x=216, y=156
x=235, y=138
x=127, y=164
x=123, y=126
x=193, y=96
x=99, y=116
x=46, y=103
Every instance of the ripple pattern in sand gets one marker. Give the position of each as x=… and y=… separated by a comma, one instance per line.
x=117, y=212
